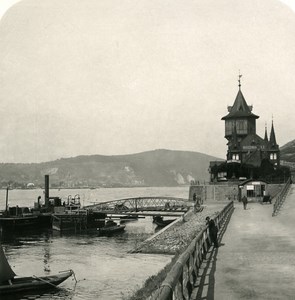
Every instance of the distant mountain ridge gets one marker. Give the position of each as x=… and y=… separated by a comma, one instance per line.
x=152, y=168
x=288, y=154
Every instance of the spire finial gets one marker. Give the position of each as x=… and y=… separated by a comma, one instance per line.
x=271, y=118
x=265, y=133
x=239, y=80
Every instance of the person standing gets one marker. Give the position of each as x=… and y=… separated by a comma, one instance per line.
x=245, y=202
x=212, y=231
x=194, y=201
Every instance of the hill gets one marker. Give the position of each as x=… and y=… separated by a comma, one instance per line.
x=151, y=168
x=288, y=154
x=288, y=151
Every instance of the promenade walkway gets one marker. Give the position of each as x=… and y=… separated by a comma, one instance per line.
x=256, y=257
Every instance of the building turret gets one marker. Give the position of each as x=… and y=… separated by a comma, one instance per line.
x=274, y=150
x=241, y=116
x=240, y=124
x=265, y=134
x=272, y=138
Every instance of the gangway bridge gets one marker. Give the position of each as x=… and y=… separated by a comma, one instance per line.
x=145, y=206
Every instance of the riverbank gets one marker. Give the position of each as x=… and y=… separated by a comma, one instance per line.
x=175, y=238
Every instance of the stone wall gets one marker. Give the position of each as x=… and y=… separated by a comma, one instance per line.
x=214, y=192
x=220, y=192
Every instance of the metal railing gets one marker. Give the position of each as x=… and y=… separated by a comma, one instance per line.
x=280, y=197
x=179, y=282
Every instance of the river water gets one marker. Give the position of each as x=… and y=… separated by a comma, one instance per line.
x=103, y=267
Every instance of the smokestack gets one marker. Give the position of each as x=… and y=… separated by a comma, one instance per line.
x=46, y=190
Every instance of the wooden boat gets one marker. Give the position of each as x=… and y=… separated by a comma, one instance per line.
x=160, y=222
x=10, y=284
x=111, y=227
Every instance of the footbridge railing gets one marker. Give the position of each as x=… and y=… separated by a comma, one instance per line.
x=142, y=203
x=179, y=282
x=280, y=197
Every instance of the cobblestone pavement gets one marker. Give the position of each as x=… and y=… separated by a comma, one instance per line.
x=175, y=238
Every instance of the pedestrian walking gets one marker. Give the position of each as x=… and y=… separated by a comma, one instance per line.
x=212, y=231
x=245, y=202
x=194, y=197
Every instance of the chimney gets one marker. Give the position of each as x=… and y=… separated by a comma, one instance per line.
x=46, y=190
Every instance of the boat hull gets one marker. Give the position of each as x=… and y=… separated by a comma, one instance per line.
x=18, y=223
x=163, y=223
x=77, y=222
x=23, y=284
x=112, y=229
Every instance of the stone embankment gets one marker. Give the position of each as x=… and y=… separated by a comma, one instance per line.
x=178, y=235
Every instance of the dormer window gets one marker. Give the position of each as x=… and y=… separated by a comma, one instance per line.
x=235, y=157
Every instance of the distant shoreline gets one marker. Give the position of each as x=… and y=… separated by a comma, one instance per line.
x=94, y=188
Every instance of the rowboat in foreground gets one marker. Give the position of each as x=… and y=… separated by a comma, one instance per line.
x=10, y=284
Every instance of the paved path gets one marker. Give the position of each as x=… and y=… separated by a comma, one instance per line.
x=256, y=258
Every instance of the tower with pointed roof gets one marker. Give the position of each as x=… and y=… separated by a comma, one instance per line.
x=240, y=123
x=244, y=145
x=246, y=149
x=273, y=147
x=265, y=134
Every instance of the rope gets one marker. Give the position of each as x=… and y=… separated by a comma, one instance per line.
x=45, y=281
x=73, y=273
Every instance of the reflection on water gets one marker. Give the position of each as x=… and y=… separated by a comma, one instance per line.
x=103, y=266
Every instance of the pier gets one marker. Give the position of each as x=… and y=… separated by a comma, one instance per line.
x=256, y=256
x=254, y=260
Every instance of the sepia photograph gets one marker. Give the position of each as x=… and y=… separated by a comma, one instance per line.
x=147, y=149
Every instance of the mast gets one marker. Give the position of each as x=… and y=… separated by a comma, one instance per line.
x=6, y=204
x=46, y=191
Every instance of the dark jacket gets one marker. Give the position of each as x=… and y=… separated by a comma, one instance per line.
x=212, y=227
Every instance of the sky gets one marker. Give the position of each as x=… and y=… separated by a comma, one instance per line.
x=117, y=77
